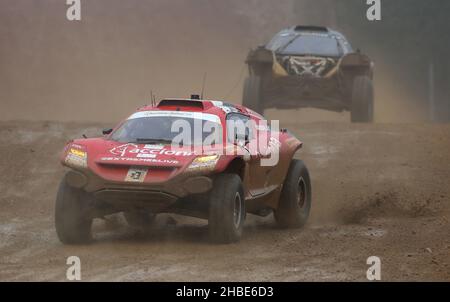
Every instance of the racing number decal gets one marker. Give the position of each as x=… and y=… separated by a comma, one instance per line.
x=136, y=174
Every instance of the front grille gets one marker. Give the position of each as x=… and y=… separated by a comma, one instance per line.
x=306, y=66
x=120, y=198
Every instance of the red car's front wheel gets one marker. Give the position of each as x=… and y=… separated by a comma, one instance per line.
x=72, y=227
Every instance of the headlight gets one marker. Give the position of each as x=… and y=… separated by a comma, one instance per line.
x=202, y=163
x=76, y=156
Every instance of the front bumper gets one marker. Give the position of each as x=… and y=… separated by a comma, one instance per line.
x=304, y=91
x=155, y=197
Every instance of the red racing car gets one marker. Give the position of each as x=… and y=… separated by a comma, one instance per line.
x=232, y=164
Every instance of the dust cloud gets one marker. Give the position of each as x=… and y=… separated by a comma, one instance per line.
x=105, y=66
x=374, y=186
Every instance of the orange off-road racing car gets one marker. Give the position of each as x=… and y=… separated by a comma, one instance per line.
x=310, y=66
x=136, y=169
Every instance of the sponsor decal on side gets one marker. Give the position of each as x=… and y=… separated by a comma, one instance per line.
x=143, y=155
x=140, y=160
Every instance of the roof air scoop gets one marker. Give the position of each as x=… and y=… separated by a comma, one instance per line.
x=311, y=28
x=181, y=103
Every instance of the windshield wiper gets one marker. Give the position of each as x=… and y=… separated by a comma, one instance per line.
x=153, y=141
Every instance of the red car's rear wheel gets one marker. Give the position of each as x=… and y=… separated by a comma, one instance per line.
x=295, y=200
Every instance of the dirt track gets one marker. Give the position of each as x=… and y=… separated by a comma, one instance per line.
x=379, y=190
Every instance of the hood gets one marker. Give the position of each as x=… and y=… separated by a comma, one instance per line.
x=154, y=155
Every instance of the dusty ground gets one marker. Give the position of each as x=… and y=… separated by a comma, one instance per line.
x=379, y=190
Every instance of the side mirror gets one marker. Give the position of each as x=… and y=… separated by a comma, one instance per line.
x=107, y=131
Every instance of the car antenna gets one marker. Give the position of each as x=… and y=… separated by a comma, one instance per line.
x=152, y=98
x=203, y=85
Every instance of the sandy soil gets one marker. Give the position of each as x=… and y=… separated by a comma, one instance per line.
x=379, y=190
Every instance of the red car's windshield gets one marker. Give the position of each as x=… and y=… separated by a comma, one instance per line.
x=169, y=130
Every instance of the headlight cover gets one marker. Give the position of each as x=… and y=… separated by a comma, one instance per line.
x=204, y=163
x=76, y=156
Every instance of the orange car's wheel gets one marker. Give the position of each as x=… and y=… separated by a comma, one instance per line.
x=72, y=226
x=226, y=209
x=362, y=110
x=295, y=201
x=252, y=94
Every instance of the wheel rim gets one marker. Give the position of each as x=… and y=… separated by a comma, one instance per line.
x=237, y=212
x=301, y=193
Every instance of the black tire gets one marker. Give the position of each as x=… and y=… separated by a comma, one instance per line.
x=295, y=200
x=252, y=94
x=72, y=227
x=226, y=209
x=362, y=110
x=139, y=219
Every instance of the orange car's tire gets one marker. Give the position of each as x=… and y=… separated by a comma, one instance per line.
x=226, y=209
x=362, y=110
x=72, y=227
x=295, y=200
x=252, y=94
